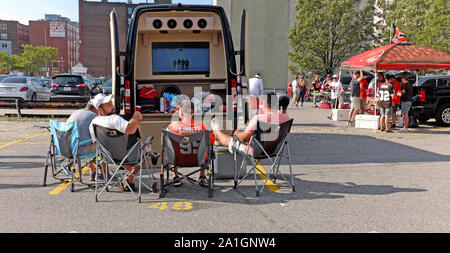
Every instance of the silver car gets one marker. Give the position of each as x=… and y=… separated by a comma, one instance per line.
x=27, y=88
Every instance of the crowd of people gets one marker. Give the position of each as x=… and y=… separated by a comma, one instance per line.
x=391, y=95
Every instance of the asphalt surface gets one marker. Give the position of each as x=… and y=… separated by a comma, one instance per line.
x=346, y=179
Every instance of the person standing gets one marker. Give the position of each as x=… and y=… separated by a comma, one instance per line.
x=363, y=86
x=385, y=95
x=396, y=99
x=354, y=98
x=256, y=89
x=315, y=89
x=407, y=92
x=302, y=88
x=336, y=92
x=295, y=90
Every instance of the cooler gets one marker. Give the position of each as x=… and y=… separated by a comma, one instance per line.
x=340, y=114
x=367, y=121
x=224, y=164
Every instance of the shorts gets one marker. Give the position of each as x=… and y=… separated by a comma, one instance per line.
x=355, y=103
x=362, y=102
x=91, y=149
x=386, y=111
x=405, y=107
x=395, y=108
x=334, y=103
x=234, y=145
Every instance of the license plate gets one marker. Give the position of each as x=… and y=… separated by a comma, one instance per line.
x=67, y=89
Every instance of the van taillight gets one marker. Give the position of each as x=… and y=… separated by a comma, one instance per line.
x=234, y=94
x=54, y=85
x=421, y=97
x=127, y=97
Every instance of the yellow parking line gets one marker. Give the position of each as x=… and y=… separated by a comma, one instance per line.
x=23, y=139
x=30, y=142
x=263, y=175
x=61, y=187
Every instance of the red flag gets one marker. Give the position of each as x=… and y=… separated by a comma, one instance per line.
x=399, y=37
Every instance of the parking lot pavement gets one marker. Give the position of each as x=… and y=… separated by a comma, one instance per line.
x=347, y=180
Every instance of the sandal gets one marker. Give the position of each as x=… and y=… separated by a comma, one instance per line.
x=178, y=182
x=203, y=181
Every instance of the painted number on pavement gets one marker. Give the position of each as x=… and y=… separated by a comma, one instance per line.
x=177, y=206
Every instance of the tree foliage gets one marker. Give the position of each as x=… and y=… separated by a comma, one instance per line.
x=32, y=60
x=328, y=32
x=424, y=22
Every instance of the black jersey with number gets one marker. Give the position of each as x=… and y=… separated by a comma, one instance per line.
x=385, y=93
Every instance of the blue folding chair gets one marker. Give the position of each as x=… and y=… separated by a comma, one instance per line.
x=63, y=153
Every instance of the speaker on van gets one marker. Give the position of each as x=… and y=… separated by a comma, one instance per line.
x=171, y=23
x=188, y=23
x=202, y=23
x=157, y=23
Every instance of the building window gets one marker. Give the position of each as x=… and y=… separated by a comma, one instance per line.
x=3, y=27
x=130, y=11
x=4, y=36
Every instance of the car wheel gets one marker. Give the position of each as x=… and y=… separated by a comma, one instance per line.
x=443, y=115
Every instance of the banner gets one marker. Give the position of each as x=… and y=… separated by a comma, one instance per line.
x=57, y=29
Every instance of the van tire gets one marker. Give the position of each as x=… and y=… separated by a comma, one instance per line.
x=443, y=115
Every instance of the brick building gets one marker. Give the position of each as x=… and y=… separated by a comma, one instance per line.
x=12, y=35
x=60, y=33
x=95, y=47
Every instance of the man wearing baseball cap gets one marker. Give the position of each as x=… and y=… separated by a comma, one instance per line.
x=109, y=119
x=336, y=93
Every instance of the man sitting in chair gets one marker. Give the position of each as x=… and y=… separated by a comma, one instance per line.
x=187, y=125
x=271, y=115
x=107, y=118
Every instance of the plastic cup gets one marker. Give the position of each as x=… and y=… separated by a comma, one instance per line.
x=138, y=108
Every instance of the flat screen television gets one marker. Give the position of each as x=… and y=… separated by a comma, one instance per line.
x=180, y=58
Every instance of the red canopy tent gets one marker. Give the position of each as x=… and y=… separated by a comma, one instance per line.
x=399, y=57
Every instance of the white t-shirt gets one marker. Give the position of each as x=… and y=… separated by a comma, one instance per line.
x=113, y=121
x=256, y=87
x=294, y=85
x=335, y=89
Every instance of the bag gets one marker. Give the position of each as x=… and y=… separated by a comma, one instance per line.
x=148, y=93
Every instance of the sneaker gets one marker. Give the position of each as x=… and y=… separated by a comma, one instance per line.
x=214, y=124
x=177, y=183
x=203, y=181
x=404, y=130
x=329, y=116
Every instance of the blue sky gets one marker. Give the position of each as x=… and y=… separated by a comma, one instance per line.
x=25, y=10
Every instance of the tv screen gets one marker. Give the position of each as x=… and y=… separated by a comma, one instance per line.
x=180, y=58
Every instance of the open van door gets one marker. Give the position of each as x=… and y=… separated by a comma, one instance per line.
x=242, y=77
x=115, y=60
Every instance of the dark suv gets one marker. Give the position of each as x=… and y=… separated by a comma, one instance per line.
x=70, y=86
x=432, y=99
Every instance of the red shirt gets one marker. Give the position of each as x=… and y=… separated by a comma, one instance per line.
x=363, y=86
x=187, y=153
x=396, y=100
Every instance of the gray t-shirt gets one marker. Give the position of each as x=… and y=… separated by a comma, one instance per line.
x=354, y=88
x=83, y=117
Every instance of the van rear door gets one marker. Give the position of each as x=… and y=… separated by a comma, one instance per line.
x=115, y=60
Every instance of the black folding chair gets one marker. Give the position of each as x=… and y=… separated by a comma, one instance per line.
x=191, y=150
x=269, y=141
x=118, y=149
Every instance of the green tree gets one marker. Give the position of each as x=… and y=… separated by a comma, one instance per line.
x=424, y=22
x=328, y=32
x=33, y=59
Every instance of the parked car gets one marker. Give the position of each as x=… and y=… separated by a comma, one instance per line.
x=107, y=87
x=26, y=88
x=3, y=77
x=431, y=99
x=72, y=86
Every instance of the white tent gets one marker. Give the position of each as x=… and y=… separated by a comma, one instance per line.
x=79, y=68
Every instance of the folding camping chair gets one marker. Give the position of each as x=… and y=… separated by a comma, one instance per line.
x=118, y=149
x=269, y=141
x=191, y=150
x=63, y=153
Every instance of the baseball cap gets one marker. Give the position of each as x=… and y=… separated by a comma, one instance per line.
x=335, y=76
x=100, y=99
